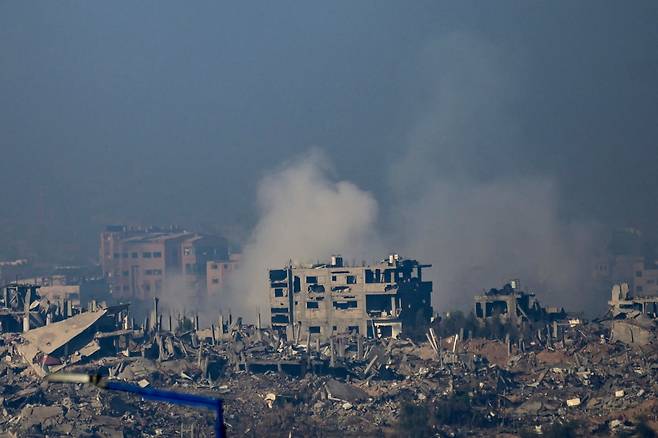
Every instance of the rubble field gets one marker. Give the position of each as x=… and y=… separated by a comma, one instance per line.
x=580, y=384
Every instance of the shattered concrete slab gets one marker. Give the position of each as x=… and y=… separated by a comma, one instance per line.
x=344, y=391
x=45, y=341
x=637, y=331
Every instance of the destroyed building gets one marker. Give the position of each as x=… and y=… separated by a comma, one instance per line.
x=633, y=316
x=21, y=308
x=52, y=347
x=622, y=302
x=514, y=305
x=380, y=300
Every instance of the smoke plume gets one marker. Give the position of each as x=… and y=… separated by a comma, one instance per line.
x=305, y=215
x=459, y=197
x=466, y=202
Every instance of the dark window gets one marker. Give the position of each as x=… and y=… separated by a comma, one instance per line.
x=386, y=331
x=147, y=287
x=215, y=281
x=638, y=273
x=135, y=255
x=125, y=288
x=351, y=279
x=146, y=255
x=353, y=329
x=280, y=319
x=639, y=288
x=317, y=288
x=311, y=280
x=334, y=277
x=116, y=255
x=213, y=266
x=314, y=329
x=157, y=254
x=278, y=275
x=278, y=292
x=125, y=273
x=344, y=305
x=279, y=310
x=378, y=303
x=312, y=305
x=296, y=284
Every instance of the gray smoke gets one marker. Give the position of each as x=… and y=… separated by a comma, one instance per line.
x=305, y=216
x=479, y=236
x=463, y=201
x=458, y=197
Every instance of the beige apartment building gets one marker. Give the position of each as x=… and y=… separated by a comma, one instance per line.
x=218, y=273
x=380, y=300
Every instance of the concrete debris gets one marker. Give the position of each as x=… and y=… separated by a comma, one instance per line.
x=340, y=391
x=573, y=402
x=348, y=384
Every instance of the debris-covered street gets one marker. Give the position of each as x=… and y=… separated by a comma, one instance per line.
x=415, y=219
x=579, y=382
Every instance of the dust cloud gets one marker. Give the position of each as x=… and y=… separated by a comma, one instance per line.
x=305, y=216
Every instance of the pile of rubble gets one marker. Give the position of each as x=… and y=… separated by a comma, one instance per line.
x=580, y=376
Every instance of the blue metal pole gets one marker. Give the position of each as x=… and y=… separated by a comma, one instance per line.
x=178, y=398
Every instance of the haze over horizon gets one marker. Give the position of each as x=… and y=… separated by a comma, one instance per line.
x=473, y=123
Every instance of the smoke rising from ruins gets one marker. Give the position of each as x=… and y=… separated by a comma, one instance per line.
x=305, y=215
x=465, y=204
x=478, y=232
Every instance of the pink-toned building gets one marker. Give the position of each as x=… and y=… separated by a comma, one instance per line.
x=141, y=263
x=218, y=274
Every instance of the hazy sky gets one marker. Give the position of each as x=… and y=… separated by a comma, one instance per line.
x=172, y=112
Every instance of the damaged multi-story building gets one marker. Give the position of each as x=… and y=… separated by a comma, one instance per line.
x=623, y=302
x=633, y=315
x=512, y=304
x=142, y=263
x=381, y=300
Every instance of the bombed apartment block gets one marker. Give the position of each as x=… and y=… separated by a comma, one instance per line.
x=21, y=308
x=623, y=303
x=380, y=300
x=514, y=305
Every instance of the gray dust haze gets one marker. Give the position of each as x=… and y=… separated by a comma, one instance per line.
x=305, y=216
x=490, y=139
x=477, y=232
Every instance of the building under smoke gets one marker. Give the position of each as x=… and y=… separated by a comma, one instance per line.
x=514, y=305
x=381, y=300
x=141, y=263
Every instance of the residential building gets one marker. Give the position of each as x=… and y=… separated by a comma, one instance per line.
x=380, y=300
x=645, y=277
x=218, y=273
x=513, y=304
x=140, y=263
